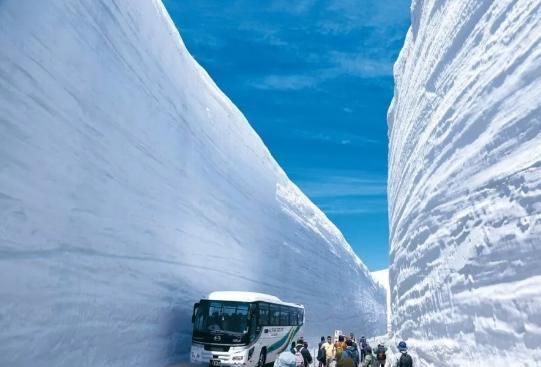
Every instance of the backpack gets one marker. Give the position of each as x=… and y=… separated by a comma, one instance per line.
x=299, y=359
x=405, y=361
x=321, y=354
x=346, y=354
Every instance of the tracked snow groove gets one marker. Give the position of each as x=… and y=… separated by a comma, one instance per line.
x=465, y=183
x=130, y=187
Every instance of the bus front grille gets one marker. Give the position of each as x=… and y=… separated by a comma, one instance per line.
x=216, y=348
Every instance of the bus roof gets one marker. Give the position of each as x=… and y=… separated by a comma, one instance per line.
x=248, y=297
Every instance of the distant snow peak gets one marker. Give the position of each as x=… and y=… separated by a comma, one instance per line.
x=382, y=278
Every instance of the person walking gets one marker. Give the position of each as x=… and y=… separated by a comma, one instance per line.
x=306, y=355
x=405, y=359
x=299, y=357
x=321, y=353
x=351, y=352
x=330, y=351
x=381, y=356
x=362, y=346
x=368, y=357
x=355, y=347
x=340, y=345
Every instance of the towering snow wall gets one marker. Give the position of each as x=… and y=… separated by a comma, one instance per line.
x=130, y=187
x=465, y=183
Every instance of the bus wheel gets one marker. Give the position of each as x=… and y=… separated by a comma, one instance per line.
x=262, y=358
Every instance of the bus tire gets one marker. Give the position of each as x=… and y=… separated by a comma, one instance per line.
x=262, y=358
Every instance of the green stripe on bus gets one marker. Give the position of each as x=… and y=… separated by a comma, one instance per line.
x=287, y=338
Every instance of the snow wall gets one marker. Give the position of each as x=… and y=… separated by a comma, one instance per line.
x=130, y=187
x=465, y=183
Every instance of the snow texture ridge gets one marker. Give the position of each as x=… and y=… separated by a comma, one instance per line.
x=465, y=183
x=130, y=187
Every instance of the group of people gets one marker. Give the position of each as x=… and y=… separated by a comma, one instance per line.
x=346, y=352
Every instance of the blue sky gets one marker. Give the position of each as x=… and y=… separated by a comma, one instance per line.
x=314, y=78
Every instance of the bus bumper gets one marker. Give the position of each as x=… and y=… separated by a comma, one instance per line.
x=233, y=358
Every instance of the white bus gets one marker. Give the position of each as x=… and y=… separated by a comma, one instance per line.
x=243, y=329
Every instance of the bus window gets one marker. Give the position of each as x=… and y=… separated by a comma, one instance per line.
x=263, y=314
x=301, y=316
x=222, y=316
x=294, y=317
x=252, y=318
x=284, y=315
x=274, y=315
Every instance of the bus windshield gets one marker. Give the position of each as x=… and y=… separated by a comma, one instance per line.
x=222, y=317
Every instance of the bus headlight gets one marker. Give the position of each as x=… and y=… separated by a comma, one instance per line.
x=238, y=358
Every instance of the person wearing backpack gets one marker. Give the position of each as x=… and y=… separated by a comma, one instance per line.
x=299, y=358
x=321, y=352
x=351, y=352
x=381, y=356
x=356, y=349
x=344, y=360
x=405, y=359
x=368, y=357
x=306, y=355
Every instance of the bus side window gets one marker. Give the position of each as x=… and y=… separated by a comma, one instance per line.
x=253, y=317
x=274, y=315
x=263, y=319
x=292, y=316
x=301, y=316
x=284, y=315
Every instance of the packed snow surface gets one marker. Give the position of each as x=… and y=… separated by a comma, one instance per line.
x=130, y=187
x=465, y=183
